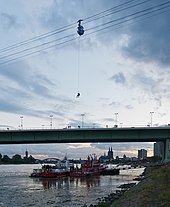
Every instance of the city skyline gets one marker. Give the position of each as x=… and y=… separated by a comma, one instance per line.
x=76, y=150
x=109, y=153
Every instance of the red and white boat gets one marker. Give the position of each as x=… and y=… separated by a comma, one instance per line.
x=61, y=169
x=89, y=167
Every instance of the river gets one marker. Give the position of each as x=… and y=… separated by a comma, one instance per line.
x=17, y=189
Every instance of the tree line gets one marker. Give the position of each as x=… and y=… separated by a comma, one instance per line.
x=16, y=159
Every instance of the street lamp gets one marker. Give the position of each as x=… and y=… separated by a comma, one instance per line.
x=151, y=113
x=21, y=117
x=116, y=114
x=51, y=121
x=82, y=120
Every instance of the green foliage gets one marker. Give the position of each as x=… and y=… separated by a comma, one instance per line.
x=164, y=197
x=155, y=159
x=153, y=190
x=5, y=159
x=30, y=160
x=103, y=204
x=16, y=159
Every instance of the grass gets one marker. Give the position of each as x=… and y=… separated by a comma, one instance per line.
x=103, y=204
x=154, y=190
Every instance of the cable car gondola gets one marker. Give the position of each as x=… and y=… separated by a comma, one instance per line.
x=80, y=28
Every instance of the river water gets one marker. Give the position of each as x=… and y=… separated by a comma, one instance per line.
x=17, y=189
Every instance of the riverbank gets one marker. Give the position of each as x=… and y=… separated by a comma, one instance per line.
x=152, y=191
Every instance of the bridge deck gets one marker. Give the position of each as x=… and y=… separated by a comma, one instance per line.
x=140, y=134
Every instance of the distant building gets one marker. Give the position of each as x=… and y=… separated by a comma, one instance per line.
x=134, y=158
x=110, y=153
x=142, y=154
x=26, y=154
x=117, y=157
x=108, y=157
x=158, y=149
x=124, y=157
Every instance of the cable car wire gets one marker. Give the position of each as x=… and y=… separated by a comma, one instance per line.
x=136, y=13
x=39, y=37
x=115, y=10
x=64, y=28
x=157, y=9
x=72, y=39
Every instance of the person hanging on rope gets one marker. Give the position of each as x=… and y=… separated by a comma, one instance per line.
x=78, y=95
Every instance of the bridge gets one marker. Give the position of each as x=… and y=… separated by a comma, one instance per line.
x=82, y=135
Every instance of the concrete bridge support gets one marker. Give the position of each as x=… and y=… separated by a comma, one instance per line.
x=167, y=150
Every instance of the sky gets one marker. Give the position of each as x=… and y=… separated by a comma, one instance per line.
x=120, y=66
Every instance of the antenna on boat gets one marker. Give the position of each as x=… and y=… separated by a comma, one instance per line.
x=80, y=31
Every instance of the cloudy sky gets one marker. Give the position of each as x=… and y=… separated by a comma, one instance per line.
x=120, y=65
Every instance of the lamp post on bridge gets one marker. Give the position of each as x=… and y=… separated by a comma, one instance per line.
x=21, y=118
x=116, y=114
x=121, y=124
x=51, y=121
x=151, y=113
x=82, y=120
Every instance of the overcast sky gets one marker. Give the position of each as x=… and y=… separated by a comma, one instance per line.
x=120, y=65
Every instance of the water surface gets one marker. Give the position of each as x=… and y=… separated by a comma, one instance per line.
x=17, y=189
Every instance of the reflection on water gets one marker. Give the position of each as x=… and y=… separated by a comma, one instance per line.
x=66, y=182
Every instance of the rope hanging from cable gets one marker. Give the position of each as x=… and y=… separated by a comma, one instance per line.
x=80, y=31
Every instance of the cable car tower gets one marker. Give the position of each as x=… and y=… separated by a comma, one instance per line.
x=80, y=31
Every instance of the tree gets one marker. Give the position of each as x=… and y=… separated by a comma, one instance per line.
x=5, y=159
x=31, y=159
x=17, y=159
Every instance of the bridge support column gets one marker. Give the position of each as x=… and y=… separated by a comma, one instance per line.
x=167, y=150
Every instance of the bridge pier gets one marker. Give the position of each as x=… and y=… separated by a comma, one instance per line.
x=167, y=150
